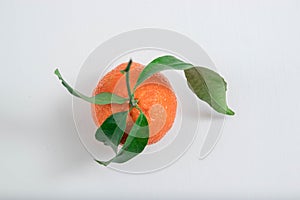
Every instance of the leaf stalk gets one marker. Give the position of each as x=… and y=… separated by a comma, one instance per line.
x=132, y=102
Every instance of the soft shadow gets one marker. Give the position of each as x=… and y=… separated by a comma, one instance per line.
x=207, y=112
x=68, y=152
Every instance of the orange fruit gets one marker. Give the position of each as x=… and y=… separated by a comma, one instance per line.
x=155, y=97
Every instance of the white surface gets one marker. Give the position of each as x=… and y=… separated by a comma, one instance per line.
x=255, y=46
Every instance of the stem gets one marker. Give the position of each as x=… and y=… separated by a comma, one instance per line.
x=131, y=100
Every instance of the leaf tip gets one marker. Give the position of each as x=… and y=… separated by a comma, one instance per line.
x=229, y=112
x=102, y=162
x=57, y=73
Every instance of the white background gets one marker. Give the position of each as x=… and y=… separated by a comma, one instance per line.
x=255, y=46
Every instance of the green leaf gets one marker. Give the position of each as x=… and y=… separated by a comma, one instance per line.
x=210, y=87
x=206, y=84
x=135, y=142
x=112, y=130
x=161, y=64
x=101, y=99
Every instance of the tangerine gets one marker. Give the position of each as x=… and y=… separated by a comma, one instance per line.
x=155, y=97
